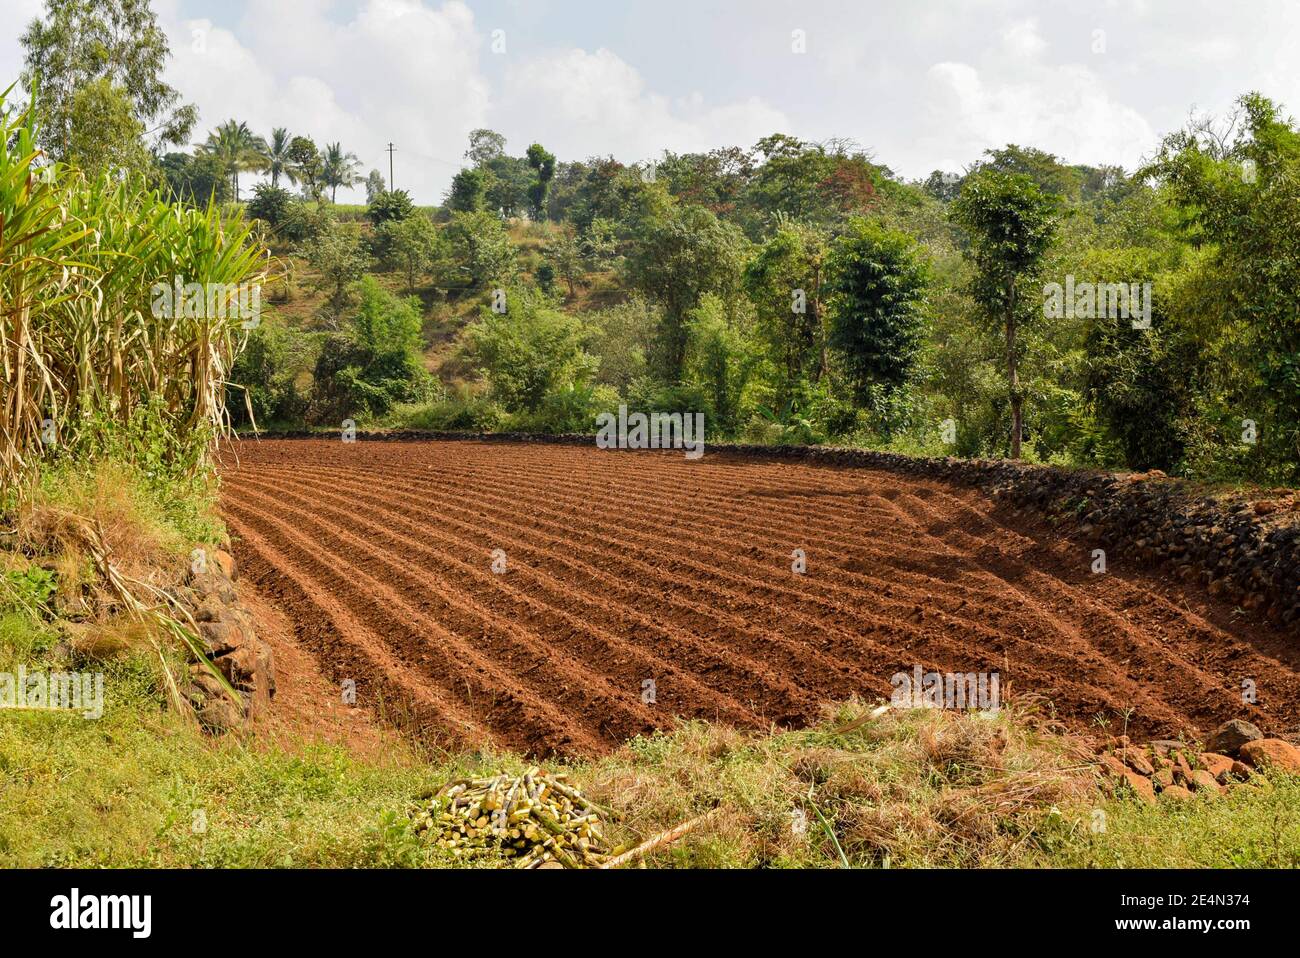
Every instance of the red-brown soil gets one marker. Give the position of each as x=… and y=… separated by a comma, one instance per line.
x=628, y=566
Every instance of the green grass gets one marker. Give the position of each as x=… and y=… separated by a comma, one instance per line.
x=908, y=790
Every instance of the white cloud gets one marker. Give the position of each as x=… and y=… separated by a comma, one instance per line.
x=581, y=104
x=1062, y=109
x=1024, y=40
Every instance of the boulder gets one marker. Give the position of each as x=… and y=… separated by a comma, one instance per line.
x=1176, y=793
x=1274, y=752
x=1229, y=737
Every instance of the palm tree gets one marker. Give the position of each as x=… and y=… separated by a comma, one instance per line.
x=278, y=160
x=237, y=148
x=339, y=169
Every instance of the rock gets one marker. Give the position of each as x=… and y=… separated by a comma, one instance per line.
x=1241, y=770
x=1203, y=781
x=1141, y=786
x=1136, y=759
x=1273, y=752
x=1177, y=793
x=220, y=715
x=1164, y=777
x=219, y=638
x=1231, y=736
x=1182, y=770
x=1163, y=746
x=1216, y=764
x=1114, y=766
x=226, y=563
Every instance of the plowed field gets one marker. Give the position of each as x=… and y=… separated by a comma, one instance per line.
x=623, y=567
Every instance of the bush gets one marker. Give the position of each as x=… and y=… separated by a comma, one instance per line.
x=264, y=377
x=529, y=351
x=375, y=362
x=270, y=204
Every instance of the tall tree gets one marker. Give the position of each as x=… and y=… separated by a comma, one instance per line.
x=278, y=161
x=485, y=146
x=468, y=191
x=683, y=256
x=1010, y=223
x=544, y=163
x=784, y=279
x=79, y=43
x=339, y=169
x=877, y=284
x=237, y=148
x=305, y=166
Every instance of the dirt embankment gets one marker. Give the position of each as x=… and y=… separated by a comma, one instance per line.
x=623, y=568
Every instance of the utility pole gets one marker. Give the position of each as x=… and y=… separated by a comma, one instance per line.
x=390, y=167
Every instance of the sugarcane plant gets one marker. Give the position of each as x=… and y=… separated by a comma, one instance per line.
x=85, y=337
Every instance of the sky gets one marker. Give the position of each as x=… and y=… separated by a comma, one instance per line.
x=921, y=84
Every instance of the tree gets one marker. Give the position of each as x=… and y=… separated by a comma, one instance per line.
x=104, y=134
x=784, y=280
x=115, y=46
x=565, y=255
x=236, y=148
x=270, y=204
x=529, y=352
x=876, y=291
x=1010, y=223
x=485, y=146
x=337, y=254
x=468, y=191
x=375, y=184
x=389, y=205
x=683, y=256
x=278, y=161
x=480, y=242
x=305, y=166
x=194, y=179
x=600, y=245
x=1236, y=191
x=413, y=244
x=339, y=169
x=374, y=362
x=544, y=163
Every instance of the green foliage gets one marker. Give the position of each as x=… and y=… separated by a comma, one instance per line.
x=721, y=363
x=1010, y=224
x=481, y=247
x=878, y=283
x=389, y=205
x=97, y=67
x=374, y=363
x=412, y=245
x=264, y=379
x=785, y=282
x=468, y=193
x=544, y=163
x=338, y=254
x=1241, y=201
x=237, y=149
x=194, y=180
x=679, y=259
x=271, y=204
x=529, y=352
